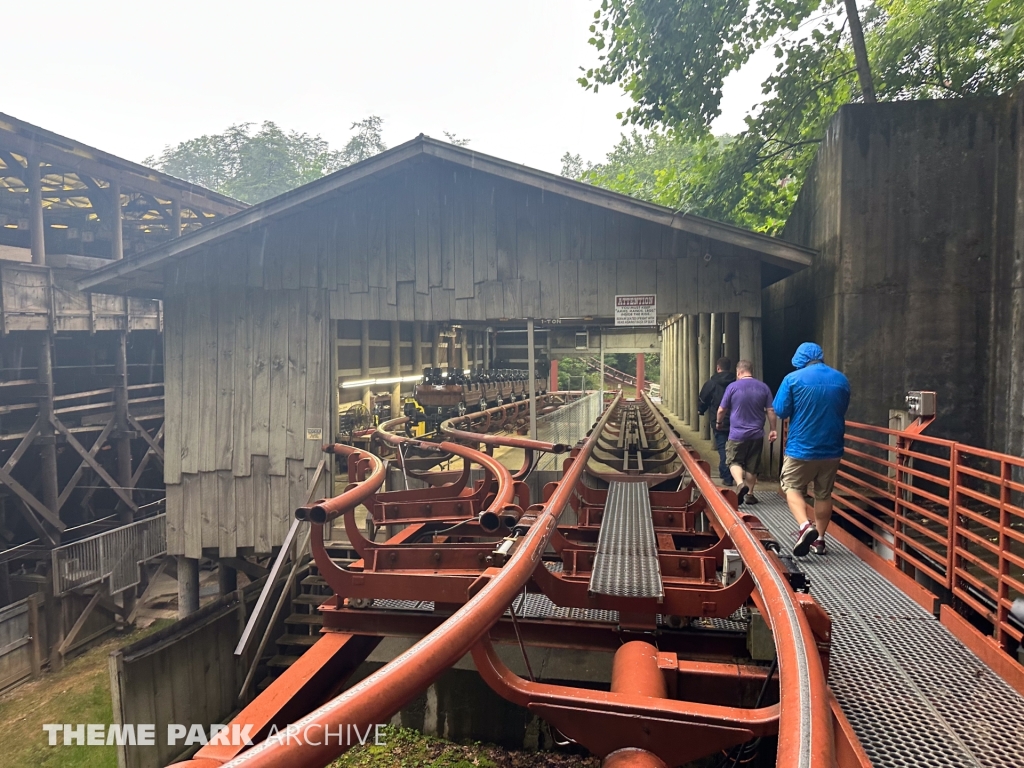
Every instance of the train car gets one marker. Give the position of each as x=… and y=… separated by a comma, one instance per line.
x=445, y=394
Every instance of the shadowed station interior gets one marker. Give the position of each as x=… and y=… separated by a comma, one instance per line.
x=340, y=410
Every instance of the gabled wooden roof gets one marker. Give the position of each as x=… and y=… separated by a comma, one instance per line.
x=146, y=269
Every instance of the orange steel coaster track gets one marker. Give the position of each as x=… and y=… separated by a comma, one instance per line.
x=472, y=548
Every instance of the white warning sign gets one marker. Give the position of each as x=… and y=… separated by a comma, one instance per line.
x=315, y=433
x=636, y=310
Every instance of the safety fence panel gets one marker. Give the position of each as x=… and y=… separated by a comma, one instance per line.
x=114, y=554
x=988, y=538
x=941, y=509
x=568, y=425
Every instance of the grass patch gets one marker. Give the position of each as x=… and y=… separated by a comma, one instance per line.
x=79, y=693
x=406, y=748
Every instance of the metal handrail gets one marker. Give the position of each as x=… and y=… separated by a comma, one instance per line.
x=805, y=721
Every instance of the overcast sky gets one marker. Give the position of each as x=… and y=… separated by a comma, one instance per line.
x=130, y=78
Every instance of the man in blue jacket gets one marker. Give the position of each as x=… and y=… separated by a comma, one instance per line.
x=814, y=398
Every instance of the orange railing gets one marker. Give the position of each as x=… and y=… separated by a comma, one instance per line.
x=942, y=510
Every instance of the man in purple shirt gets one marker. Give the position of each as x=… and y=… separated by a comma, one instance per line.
x=746, y=401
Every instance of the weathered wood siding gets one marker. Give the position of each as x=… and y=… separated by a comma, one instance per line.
x=34, y=298
x=248, y=319
x=247, y=372
x=437, y=242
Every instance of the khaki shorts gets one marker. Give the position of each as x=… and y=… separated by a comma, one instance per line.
x=797, y=474
x=744, y=453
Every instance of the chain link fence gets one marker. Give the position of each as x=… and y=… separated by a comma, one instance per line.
x=114, y=554
x=568, y=425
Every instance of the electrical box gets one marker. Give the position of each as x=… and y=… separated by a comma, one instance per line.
x=732, y=566
x=920, y=404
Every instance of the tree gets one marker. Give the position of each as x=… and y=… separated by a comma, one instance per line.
x=255, y=165
x=672, y=57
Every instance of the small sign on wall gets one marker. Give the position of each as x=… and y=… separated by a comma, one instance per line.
x=636, y=310
x=315, y=434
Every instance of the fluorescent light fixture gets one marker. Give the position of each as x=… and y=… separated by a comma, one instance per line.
x=466, y=372
x=373, y=382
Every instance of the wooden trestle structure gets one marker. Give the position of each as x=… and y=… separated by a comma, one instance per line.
x=81, y=375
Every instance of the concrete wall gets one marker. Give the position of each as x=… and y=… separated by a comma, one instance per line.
x=914, y=209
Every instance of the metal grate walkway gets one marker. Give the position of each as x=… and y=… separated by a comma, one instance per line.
x=914, y=695
x=626, y=563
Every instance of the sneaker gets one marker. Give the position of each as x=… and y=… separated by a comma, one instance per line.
x=728, y=482
x=752, y=499
x=818, y=547
x=805, y=536
x=741, y=494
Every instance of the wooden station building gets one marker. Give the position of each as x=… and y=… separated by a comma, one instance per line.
x=426, y=254
x=81, y=374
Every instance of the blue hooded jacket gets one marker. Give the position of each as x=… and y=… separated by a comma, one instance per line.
x=814, y=398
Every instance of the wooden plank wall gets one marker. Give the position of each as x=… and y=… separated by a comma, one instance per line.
x=248, y=372
x=36, y=298
x=247, y=331
x=438, y=242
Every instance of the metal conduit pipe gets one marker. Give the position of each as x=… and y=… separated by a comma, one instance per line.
x=635, y=671
x=354, y=495
x=490, y=518
x=376, y=698
x=805, y=722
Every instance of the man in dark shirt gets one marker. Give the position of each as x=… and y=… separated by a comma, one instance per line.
x=746, y=401
x=708, y=400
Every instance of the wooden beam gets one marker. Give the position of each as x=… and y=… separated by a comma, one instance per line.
x=24, y=445
x=250, y=569
x=154, y=443
x=130, y=175
x=33, y=522
x=96, y=446
x=97, y=467
x=33, y=503
x=145, y=593
x=63, y=647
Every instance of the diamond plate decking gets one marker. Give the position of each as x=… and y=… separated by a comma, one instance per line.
x=914, y=695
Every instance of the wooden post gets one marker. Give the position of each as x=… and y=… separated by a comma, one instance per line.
x=487, y=349
x=364, y=361
x=188, y=586
x=47, y=439
x=463, y=350
x=746, y=334
x=553, y=378
x=396, y=368
x=694, y=368
x=703, y=366
x=715, y=342
x=37, y=232
x=435, y=346
x=666, y=367
x=33, y=631
x=600, y=371
x=732, y=336
x=531, y=367
x=684, y=356
x=116, y=221
x=123, y=441
x=174, y=225
x=227, y=578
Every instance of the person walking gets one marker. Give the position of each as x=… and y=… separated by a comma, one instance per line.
x=814, y=398
x=709, y=399
x=745, y=403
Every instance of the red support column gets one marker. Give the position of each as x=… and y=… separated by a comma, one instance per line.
x=640, y=381
x=553, y=386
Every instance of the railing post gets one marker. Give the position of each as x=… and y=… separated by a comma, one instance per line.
x=1002, y=588
x=953, y=519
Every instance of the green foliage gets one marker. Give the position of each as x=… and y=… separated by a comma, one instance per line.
x=255, y=165
x=672, y=58
x=572, y=371
x=406, y=748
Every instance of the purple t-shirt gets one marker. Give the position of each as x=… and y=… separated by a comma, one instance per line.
x=745, y=400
